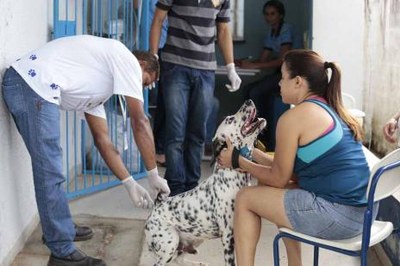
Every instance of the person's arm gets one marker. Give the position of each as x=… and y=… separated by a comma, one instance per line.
x=265, y=63
x=224, y=40
x=99, y=129
x=266, y=53
x=280, y=171
x=262, y=157
x=389, y=129
x=156, y=27
x=263, y=58
x=143, y=135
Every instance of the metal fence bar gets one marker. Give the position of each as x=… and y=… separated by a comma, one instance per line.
x=67, y=150
x=75, y=157
x=84, y=17
x=83, y=137
x=85, y=170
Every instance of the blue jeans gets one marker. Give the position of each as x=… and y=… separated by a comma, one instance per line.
x=38, y=122
x=188, y=97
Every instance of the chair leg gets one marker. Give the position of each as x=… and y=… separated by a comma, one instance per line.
x=316, y=255
x=363, y=259
x=276, y=250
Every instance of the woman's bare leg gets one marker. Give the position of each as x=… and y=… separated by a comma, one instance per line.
x=251, y=204
x=293, y=250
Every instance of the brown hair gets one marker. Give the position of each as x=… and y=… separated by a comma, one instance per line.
x=151, y=62
x=310, y=66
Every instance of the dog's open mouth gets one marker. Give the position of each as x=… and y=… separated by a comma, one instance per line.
x=251, y=123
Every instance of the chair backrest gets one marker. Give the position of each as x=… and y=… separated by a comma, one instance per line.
x=348, y=100
x=389, y=181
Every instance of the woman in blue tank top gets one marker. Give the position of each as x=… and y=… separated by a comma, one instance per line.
x=316, y=182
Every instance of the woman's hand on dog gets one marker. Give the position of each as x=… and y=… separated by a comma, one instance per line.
x=225, y=157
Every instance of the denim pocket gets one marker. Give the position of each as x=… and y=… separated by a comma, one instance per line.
x=14, y=98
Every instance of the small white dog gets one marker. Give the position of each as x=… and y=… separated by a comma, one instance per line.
x=181, y=223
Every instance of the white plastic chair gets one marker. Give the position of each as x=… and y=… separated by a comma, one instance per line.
x=384, y=181
x=350, y=103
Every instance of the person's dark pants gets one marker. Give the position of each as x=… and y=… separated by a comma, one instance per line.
x=159, y=122
x=263, y=93
x=159, y=117
x=188, y=95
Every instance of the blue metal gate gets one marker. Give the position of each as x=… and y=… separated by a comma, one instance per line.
x=127, y=21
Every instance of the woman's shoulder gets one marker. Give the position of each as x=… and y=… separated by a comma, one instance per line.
x=291, y=116
x=305, y=111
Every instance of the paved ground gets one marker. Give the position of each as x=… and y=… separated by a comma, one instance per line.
x=119, y=239
x=211, y=252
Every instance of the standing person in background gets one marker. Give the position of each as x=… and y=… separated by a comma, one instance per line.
x=316, y=182
x=81, y=78
x=279, y=39
x=390, y=128
x=188, y=79
x=159, y=117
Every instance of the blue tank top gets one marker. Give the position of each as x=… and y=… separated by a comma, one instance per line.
x=333, y=166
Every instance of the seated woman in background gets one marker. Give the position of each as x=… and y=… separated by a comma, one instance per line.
x=279, y=39
x=319, y=146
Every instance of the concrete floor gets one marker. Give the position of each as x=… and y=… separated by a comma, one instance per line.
x=119, y=239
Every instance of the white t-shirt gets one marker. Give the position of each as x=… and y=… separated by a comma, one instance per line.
x=80, y=73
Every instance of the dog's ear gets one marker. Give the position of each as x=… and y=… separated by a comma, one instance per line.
x=218, y=145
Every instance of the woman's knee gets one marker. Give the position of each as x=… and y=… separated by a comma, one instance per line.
x=242, y=198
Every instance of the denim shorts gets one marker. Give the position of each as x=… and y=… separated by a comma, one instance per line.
x=315, y=216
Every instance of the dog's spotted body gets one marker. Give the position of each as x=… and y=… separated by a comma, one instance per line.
x=180, y=223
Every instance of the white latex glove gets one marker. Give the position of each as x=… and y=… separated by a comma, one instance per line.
x=158, y=185
x=140, y=197
x=233, y=78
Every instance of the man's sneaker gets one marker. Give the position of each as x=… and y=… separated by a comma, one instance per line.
x=76, y=258
x=82, y=233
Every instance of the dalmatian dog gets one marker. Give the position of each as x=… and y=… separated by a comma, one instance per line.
x=179, y=224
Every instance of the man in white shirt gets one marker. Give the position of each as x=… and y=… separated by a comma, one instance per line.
x=79, y=73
